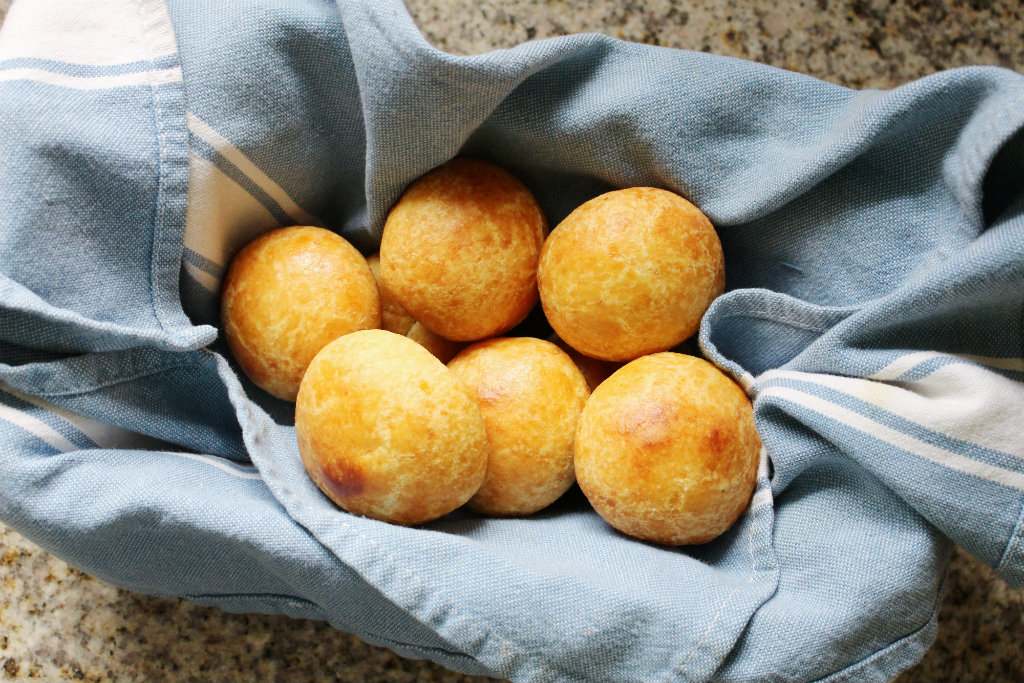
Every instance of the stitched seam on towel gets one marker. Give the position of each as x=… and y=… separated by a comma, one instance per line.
x=309, y=604
x=119, y=380
x=781, y=321
x=161, y=199
x=1013, y=545
x=394, y=565
x=680, y=668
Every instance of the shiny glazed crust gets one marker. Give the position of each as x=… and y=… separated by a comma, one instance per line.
x=666, y=450
x=630, y=272
x=286, y=295
x=386, y=431
x=460, y=250
x=530, y=394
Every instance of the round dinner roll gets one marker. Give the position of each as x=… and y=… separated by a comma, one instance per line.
x=286, y=295
x=666, y=450
x=443, y=349
x=630, y=272
x=594, y=370
x=394, y=317
x=460, y=250
x=530, y=394
x=386, y=431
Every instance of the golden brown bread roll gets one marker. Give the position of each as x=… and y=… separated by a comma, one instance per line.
x=386, y=431
x=286, y=295
x=443, y=349
x=530, y=394
x=594, y=370
x=666, y=450
x=460, y=250
x=630, y=272
x=394, y=318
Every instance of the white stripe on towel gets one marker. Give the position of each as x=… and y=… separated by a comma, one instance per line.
x=908, y=362
x=896, y=438
x=240, y=471
x=133, y=79
x=903, y=365
x=102, y=434
x=763, y=496
x=962, y=401
x=208, y=282
x=221, y=217
x=94, y=32
x=37, y=428
x=224, y=147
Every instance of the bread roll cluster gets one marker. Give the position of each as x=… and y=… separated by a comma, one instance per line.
x=530, y=395
x=630, y=272
x=386, y=431
x=438, y=410
x=286, y=295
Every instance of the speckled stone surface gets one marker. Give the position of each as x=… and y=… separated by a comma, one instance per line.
x=856, y=43
x=57, y=624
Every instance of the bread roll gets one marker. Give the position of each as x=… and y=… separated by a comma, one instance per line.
x=530, y=394
x=286, y=295
x=666, y=450
x=630, y=272
x=386, y=431
x=460, y=250
x=594, y=370
x=394, y=318
x=443, y=349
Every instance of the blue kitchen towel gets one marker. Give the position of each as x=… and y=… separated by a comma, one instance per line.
x=874, y=247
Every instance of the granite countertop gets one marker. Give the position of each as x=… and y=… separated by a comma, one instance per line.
x=59, y=624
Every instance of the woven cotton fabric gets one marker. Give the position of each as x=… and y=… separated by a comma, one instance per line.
x=874, y=313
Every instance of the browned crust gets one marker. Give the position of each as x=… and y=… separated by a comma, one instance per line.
x=460, y=250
